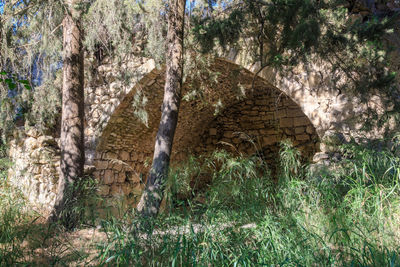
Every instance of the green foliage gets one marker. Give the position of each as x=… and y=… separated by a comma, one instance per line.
x=31, y=50
x=347, y=216
x=225, y=30
x=285, y=34
x=344, y=216
x=80, y=203
x=13, y=81
x=123, y=27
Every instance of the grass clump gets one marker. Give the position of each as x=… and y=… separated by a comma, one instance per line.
x=345, y=215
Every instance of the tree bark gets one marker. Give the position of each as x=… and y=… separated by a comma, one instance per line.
x=150, y=201
x=72, y=120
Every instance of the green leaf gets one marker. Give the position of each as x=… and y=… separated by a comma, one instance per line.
x=3, y=73
x=23, y=81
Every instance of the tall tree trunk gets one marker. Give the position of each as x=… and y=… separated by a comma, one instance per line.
x=72, y=143
x=151, y=198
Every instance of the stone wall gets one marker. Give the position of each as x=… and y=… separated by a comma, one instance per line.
x=35, y=167
x=108, y=85
x=257, y=125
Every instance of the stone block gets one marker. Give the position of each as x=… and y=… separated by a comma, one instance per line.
x=96, y=175
x=301, y=121
x=252, y=132
x=310, y=129
x=110, y=155
x=295, y=112
x=267, y=131
x=299, y=130
x=134, y=156
x=228, y=134
x=289, y=131
x=250, y=112
x=270, y=140
x=246, y=125
x=258, y=125
x=121, y=177
x=302, y=137
x=101, y=164
x=118, y=166
x=108, y=177
x=124, y=155
x=286, y=122
x=281, y=113
x=261, y=102
x=213, y=131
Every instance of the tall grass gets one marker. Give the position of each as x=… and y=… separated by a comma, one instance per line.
x=25, y=237
x=346, y=215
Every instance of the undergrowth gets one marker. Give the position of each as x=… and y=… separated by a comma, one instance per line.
x=344, y=214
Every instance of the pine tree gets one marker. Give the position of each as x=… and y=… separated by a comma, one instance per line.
x=72, y=121
x=151, y=198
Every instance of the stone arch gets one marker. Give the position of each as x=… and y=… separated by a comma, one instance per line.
x=263, y=113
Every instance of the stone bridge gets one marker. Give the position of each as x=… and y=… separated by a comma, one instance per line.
x=123, y=101
x=237, y=111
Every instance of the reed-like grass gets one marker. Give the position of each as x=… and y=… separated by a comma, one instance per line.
x=344, y=214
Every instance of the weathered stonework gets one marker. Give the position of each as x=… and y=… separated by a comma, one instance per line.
x=256, y=119
x=122, y=109
x=35, y=168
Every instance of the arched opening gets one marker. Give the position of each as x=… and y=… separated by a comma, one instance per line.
x=249, y=110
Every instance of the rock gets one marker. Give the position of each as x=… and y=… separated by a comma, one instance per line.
x=213, y=131
x=31, y=143
x=301, y=121
x=269, y=140
x=108, y=177
x=124, y=156
x=320, y=156
x=299, y=130
x=281, y=113
x=121, y=177
x=101, y=164
x=302, y=137
x=46, y=140
x=89, y=170
x=32, y=132
x=309, y=129
x=228, y=134
x=286, y=122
